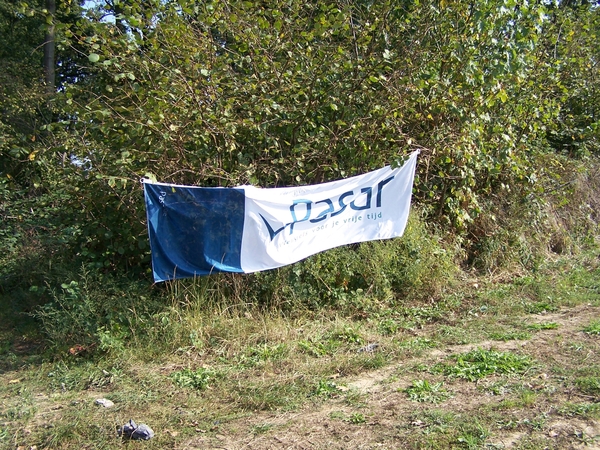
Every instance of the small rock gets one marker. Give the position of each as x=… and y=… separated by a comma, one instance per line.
x=368, y=348
x=104, y=402
x=131, y=430
x=143, y=431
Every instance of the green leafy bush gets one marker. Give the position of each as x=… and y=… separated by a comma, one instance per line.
x=95, y=311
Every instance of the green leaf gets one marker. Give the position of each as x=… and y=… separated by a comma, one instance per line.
x=94, y=57
x=503, y=96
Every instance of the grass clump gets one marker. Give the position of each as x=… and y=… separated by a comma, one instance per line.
x=316, y=349
x=480, y=363
x=585, y=410
x=417, y=346
x=269, y=395
x=593, y=328
x=356, y=418
x=196, y=379
x=95, y=312
x=260, y=354
x=589, y=385
x=346, y=335
x=510, y=335
x=540, y=307
x=424, y=391
x=326, y=389
x=524, y=399
x=472, y=435
x=261, y=428
x=441, y=429
x=455, y=335
x=340, y=337
x=543, y=326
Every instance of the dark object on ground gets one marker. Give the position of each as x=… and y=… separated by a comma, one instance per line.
x=131, y=430
x=368, y=348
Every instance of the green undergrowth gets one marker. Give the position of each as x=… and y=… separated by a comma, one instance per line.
x=95, y=314
x=195, y=356
x=384, y=282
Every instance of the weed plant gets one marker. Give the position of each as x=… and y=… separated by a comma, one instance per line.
x=543, y=326
x=424, y=391
x=509, y=335
x=593, y=328
x=589, y=385
x=197, y=379
x=480, y=363
x=356, y=418
x=327, y=389
x=585, y=410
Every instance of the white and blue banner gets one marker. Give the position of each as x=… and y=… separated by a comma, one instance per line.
x=197, y=231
